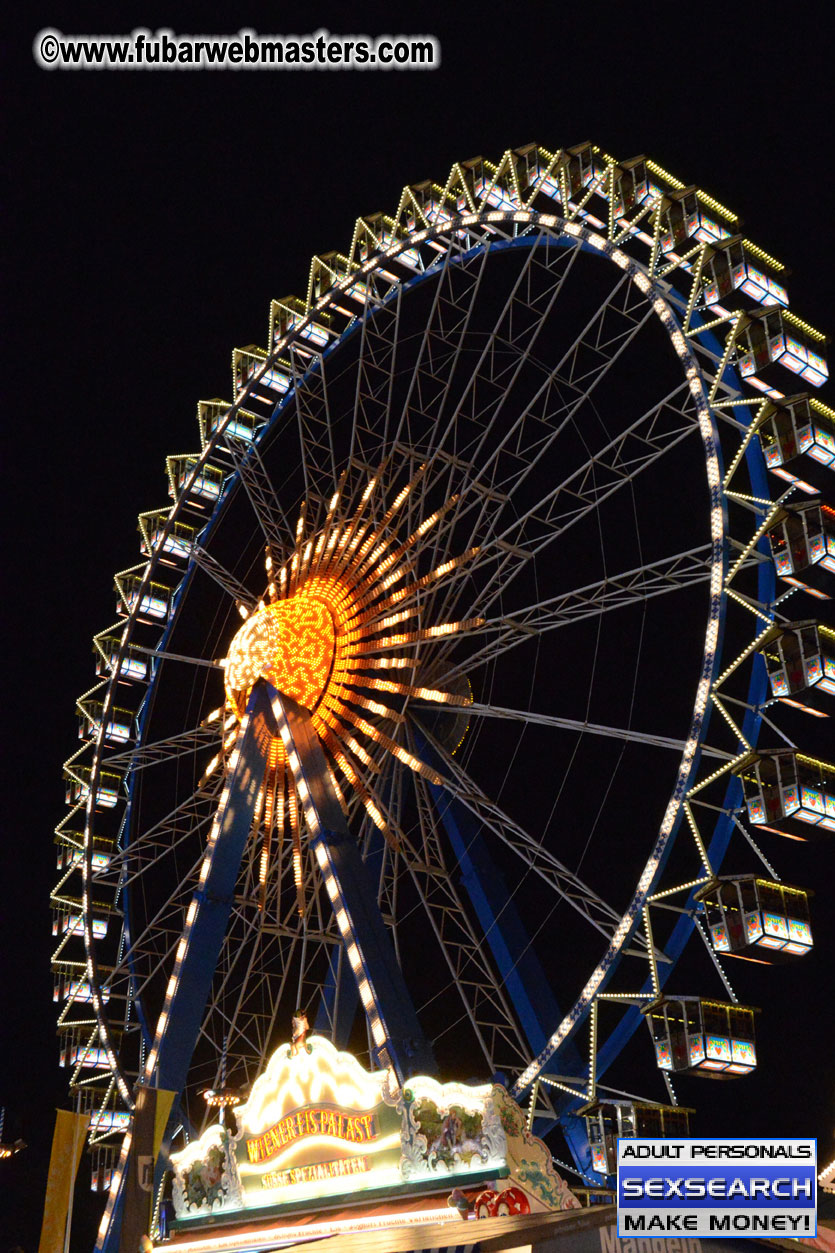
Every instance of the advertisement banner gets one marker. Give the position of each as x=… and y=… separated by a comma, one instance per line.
x=717, y=1187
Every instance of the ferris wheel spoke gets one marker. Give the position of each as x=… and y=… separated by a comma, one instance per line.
x=489, y=370
x=125, y=869
x=484, y=451
x=387, y=796
x=450, y=316
x=168, y=916
x=438, y=359
x=659, y=578
x=183, y=822
x=223, y=577
x=164, y=655
x=434, y=378
x=219, y=1030
x=491, y=375
x=616, y=466
x=532, y=718
x=531, y=851
x=156, y=959
x=481, y=992
x=289, y=943
x=564, y=375
x=375, y=376
x=262, y=496
x=181, y=825
x=244, y=946
x=612, y=456
x=314, y=423
x=183, y=744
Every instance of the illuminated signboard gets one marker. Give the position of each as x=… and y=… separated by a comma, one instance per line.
x=317, y=1124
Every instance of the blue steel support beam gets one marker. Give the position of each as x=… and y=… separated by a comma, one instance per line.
x=516, y=962
x=507, y=937
x=340, y=998
x=395, y=1029
x=214, y=899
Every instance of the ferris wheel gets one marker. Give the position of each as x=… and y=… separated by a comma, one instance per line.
x=442, y=671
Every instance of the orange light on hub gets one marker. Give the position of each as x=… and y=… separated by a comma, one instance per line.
x=291, y=644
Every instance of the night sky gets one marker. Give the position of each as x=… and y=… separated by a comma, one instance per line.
x=151, y=217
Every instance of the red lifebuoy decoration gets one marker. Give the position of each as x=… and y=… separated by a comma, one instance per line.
x=490, y=1204
x=512, y=1201
x=485, y=1203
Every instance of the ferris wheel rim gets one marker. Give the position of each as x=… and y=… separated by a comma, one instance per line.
x=517, y=217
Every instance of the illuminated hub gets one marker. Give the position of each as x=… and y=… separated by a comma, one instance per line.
x=291, y=644
x=337, y=631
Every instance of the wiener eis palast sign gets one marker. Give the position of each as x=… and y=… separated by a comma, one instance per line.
x=712, y=1188
x=318, y=1125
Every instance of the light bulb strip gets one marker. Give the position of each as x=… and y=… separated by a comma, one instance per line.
x=425, y=526
x=427, y=633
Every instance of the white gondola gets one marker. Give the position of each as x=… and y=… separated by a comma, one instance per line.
x=733, y=270
x=788, y=793
x=748, y=915
x=73, y=857
x=172, y=540
x=146, y=600
x=800, y=663
x=711, y=1039
x=289, y=315
x=78, y=991
x=797, y=436
x=133, y=666
x=610, y=1119
x=775, y=337
x=87, y=1058
x=109, y=1120
x=683, y=217
x=202, y=485
x=104, y=1159
x=575, y=167
x=78, y=787
x=802, y=539
x=631, y=186
x=70, y=921
x=118, y=728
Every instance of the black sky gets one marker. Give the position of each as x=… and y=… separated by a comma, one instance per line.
x=151, y=217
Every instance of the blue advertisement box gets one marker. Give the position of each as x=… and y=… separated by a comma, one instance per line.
x=717, y=1187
